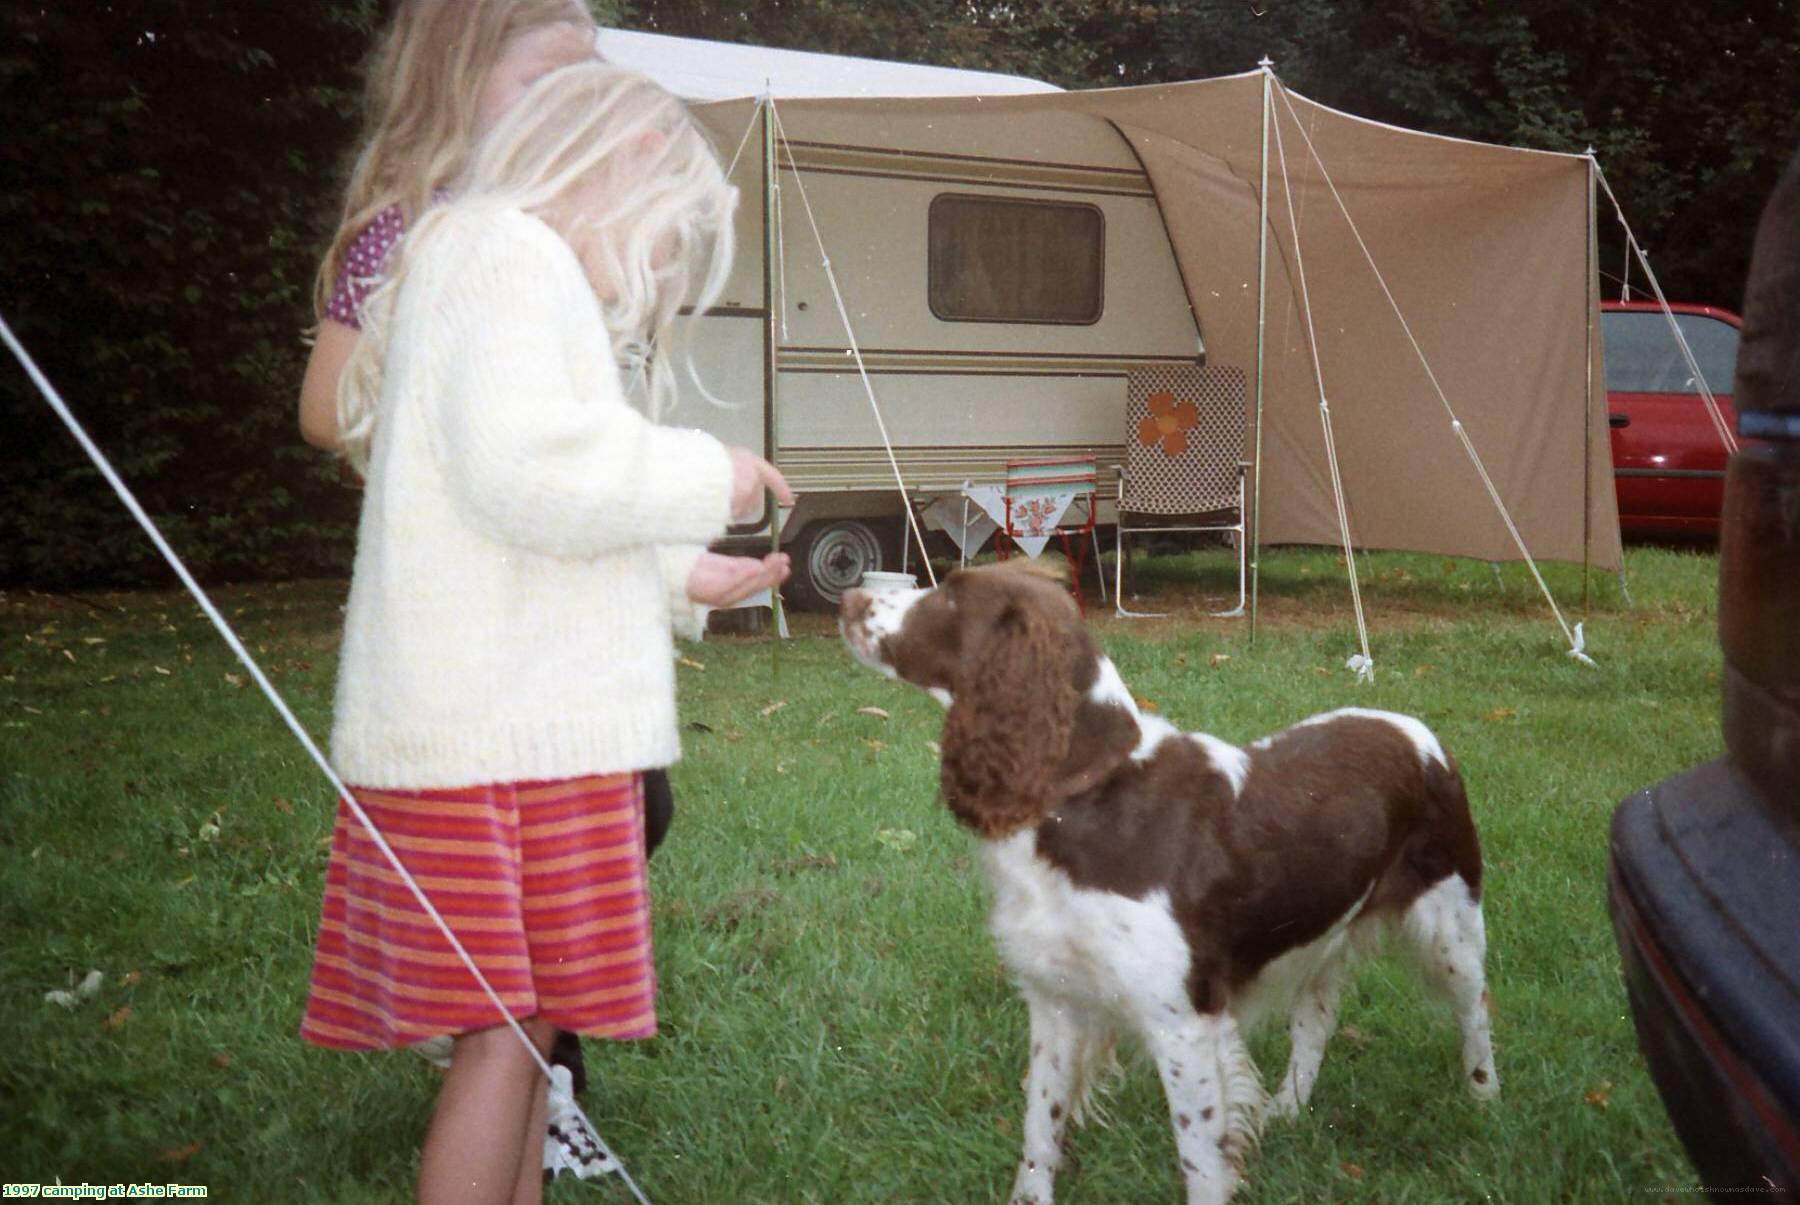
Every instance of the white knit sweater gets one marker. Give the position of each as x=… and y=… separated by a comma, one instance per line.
x=526, y=533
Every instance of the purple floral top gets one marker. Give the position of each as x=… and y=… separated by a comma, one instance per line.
x=365, y=262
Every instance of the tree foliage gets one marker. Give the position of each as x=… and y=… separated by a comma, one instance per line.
x=172, y=168
x=1691, y=109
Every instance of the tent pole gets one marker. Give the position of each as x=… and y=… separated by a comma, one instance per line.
x=1592, y=303
x=1262, y=316
x=772, y=508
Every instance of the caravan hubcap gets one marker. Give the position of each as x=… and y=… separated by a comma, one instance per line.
x=839, y=557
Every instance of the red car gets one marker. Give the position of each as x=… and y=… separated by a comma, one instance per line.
x=1668, y=458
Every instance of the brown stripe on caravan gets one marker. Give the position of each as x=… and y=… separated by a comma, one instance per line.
x=920, y=361
x=927, y=467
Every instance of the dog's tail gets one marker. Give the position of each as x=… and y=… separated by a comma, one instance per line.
x=1096, y=1074
x=1246, y=1102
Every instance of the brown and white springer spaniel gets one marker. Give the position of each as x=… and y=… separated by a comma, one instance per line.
x=1171, y=885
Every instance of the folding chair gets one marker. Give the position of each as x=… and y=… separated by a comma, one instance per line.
x=1038, y=498
x=1184, y=467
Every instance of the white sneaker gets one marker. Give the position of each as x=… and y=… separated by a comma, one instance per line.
x=569, y=1145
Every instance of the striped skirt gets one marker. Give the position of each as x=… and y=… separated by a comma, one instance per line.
x=543, y=883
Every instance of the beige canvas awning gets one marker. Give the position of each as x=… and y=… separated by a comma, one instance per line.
x=1486, y=251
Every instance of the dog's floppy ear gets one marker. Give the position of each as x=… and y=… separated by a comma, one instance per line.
x=1011, y=715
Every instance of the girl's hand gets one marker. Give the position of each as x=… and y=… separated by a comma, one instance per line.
x=750, y=476
x=725, y=581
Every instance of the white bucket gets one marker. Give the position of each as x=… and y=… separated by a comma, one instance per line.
x=877, y=582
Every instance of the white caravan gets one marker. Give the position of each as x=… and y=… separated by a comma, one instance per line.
x=999, y=286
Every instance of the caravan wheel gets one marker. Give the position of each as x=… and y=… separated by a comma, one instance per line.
x=831, y=557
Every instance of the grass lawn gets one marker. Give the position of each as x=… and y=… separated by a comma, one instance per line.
x=835, y=1026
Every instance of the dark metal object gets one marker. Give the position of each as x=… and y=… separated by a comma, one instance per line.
x=1704, y=877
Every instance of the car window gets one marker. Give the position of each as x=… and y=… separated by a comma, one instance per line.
x=1643, y=357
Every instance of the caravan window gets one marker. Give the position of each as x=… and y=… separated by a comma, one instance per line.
x=998, y=259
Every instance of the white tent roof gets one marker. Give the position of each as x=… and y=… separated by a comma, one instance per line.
x=700, y=70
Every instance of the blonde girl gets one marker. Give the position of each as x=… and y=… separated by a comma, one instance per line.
x=527, y=539
x=446, y=72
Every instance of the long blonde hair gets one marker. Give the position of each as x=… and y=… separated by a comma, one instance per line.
x=419, y=107
x=663, y=240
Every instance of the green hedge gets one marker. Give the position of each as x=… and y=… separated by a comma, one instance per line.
x=170, y=170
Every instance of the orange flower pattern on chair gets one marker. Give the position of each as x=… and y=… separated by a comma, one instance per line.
x=1167, y=423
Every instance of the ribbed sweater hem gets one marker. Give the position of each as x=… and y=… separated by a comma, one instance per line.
x=419, y=758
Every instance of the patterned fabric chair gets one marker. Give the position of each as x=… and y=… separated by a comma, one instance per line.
x=1184, y=467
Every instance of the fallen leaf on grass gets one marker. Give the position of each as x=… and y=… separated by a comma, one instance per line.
x=93, y=640
x=283, y=806
x=1419, y=671
x=221, y=1060
x=180, y=1154
x=772, y=708
x=876, y=712
x=89, y=986
x=1351, y=1170
x=159, y=669
x=1599, y=1096
x=690, y=663
x=235, y=681
x=1218, y=659
x=876, y=745
x=897, y=839
x=131, y=978
x=1500, y=713
x=936, y=749
x=1147, y=704
x=697, y=726
x=117, y=1017
x=1003, y=1124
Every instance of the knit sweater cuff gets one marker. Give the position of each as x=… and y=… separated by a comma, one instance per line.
x=687, y=617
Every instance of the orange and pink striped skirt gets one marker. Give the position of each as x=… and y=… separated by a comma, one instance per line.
x=544, y=885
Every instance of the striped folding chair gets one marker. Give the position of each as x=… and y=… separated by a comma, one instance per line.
x=1040, y=497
